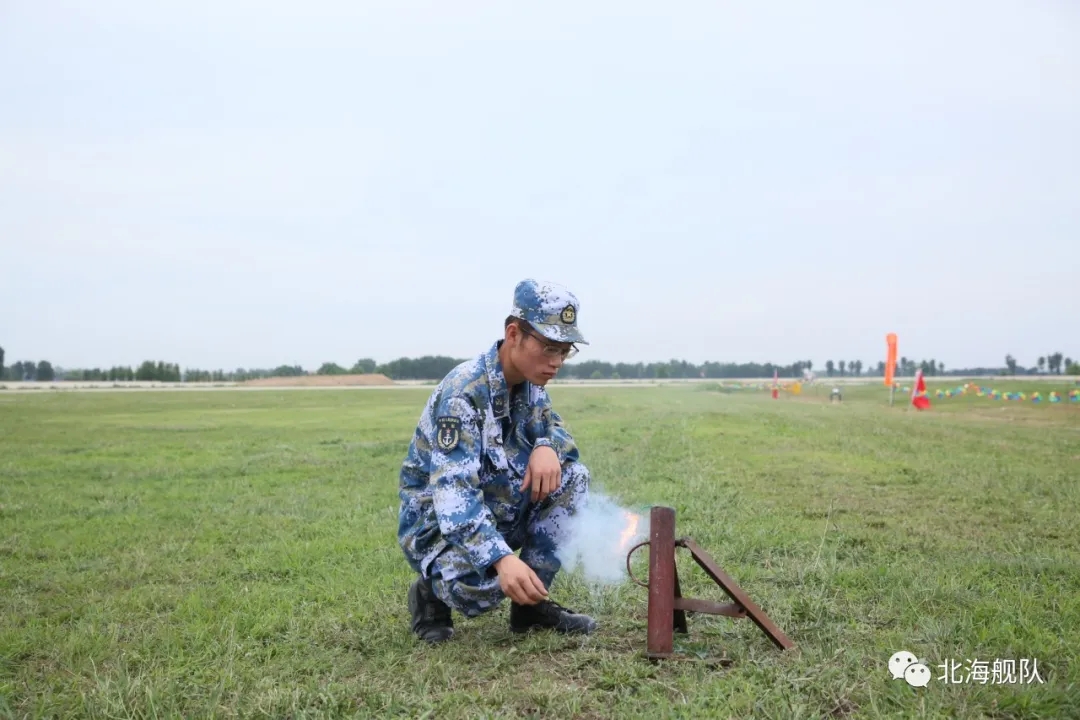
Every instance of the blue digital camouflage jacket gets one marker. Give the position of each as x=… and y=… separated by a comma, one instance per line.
x=461, y=480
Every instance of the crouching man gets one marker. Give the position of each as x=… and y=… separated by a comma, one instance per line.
x=491, y=470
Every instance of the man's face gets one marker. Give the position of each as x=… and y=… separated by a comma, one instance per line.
x=538, y=358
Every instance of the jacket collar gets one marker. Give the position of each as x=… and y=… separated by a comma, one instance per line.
x=497, y=388
x=499, y=391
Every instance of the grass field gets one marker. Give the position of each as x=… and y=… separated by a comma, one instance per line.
x=195, y=554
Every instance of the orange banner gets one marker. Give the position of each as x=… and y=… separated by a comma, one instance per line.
x=890, y=359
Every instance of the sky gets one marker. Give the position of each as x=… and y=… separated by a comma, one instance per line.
x=225, y=184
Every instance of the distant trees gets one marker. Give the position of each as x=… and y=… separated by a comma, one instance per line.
x=1052, y=363
x=330, y=368
x=908, y=366
x=905, y=367
x=19, y=371
x=44, y=371
x=435, y=367
x=855, y=367
x=159, y=371
x=196, y=375
x=29, y=370
x=364, y=366
x=116, y=373
x=240, y=374
x=428, y=367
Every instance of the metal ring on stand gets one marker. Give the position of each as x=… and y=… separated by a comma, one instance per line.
x=628, y=570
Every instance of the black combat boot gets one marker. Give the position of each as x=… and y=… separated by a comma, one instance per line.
x=549, y=615
x=431, y=619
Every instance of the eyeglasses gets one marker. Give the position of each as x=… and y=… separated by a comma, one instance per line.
x=549, y=349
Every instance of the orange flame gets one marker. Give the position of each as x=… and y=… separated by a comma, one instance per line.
x=630, y=530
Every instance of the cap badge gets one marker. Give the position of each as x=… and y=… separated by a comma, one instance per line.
x=568, y=314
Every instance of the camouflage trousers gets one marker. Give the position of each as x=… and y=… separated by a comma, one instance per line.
x=471, y=592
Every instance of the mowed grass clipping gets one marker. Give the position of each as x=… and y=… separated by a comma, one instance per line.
x=229, y=553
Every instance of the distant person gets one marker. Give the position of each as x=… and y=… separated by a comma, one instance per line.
x=491, y=470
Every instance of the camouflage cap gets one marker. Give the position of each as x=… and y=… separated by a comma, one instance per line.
x=550, y=308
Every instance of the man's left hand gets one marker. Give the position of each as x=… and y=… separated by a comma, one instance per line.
x=543, y=474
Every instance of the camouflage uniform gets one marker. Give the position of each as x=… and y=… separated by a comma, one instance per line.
x=462, y=507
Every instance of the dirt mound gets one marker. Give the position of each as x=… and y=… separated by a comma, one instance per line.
x=322, y=381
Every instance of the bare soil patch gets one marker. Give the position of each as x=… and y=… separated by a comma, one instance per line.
x=320, y=381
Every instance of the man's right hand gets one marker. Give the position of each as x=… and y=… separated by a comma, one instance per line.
x=518, y=581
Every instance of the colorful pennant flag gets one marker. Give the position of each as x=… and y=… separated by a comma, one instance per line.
x=918, y=396
x=981, y=391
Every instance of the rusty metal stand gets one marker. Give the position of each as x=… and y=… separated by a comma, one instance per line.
x=667, y=606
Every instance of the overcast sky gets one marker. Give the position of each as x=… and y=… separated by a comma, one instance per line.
x=233, y=183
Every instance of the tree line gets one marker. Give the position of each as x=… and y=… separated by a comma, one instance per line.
x=435, y=367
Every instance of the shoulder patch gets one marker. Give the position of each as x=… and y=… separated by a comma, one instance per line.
x=448, y=432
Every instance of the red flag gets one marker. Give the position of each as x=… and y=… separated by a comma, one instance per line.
x=918, y=394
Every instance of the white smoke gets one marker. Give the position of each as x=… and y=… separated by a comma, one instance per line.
x=599, y=536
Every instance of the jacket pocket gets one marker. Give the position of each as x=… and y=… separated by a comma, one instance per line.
x=496, y=458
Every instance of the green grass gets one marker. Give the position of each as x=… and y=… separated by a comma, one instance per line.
x=193, y=554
